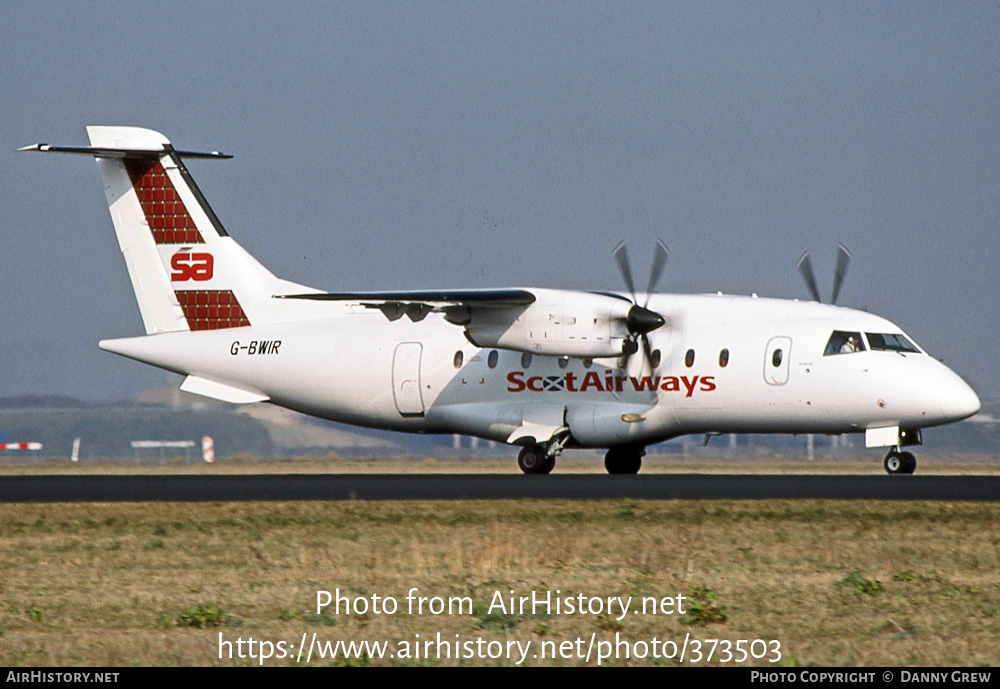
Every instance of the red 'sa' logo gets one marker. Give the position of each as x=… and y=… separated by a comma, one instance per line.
x=191, y=266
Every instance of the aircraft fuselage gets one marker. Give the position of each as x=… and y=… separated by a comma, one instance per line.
x=727, y=364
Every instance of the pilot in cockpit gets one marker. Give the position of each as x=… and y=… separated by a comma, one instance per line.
x=851, y=345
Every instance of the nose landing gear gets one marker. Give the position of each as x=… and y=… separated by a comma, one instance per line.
x=897, y=462
x=541, y=459
x=533, y=459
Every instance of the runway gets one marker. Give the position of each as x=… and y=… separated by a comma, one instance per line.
x=227, y=488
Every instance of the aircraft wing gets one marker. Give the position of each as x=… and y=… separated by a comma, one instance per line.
x=416, y=304
x=537, y=321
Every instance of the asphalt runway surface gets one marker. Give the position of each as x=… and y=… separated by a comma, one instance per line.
x=228, y=488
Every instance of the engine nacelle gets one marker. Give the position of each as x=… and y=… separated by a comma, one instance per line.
x=558, y=323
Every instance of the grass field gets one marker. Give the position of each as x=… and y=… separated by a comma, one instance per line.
x=837, y=583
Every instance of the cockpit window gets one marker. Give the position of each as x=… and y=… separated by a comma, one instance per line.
x=844, y=342
x=884, y=342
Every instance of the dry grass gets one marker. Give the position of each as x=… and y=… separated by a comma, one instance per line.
x=97, y=584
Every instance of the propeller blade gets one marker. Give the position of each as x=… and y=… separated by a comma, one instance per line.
x=621, y=255
x=647, y=350
x=843, y=260
x=806, y=268
x=661, y=254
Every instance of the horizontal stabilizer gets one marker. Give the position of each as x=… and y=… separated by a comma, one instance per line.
x=99, y=152
x=226, y=392
x=124, y=142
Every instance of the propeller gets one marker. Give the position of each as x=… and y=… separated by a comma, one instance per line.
x=640, y=319
x=805, y=268
x=843, y=259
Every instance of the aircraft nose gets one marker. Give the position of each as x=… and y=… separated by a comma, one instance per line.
x=958, y=400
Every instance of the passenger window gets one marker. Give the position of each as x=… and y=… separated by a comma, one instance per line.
x=491, y=360
x=587, y=363
x=723, y=358
x=689, y=358
x=776, y=358
x=563, y=362
x=459, y=359
x=654, y=358
x=526, y=360
x=844, y=342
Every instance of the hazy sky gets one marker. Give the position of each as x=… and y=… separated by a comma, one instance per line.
x=424, y=145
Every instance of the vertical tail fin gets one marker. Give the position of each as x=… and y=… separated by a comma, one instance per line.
x=187, y=273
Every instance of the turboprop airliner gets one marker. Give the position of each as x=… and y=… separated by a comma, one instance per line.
x=543, y=369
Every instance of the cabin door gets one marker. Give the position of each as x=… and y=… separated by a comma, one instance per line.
x=406, y=379
x=777, y=359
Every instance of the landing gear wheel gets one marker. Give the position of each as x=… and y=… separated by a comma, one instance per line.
x=533, y=460
x=623, y=460
x=897, y=462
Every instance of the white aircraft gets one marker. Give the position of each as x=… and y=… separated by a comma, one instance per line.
x=543, y=369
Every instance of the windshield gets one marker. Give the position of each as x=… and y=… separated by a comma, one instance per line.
x=885, y=342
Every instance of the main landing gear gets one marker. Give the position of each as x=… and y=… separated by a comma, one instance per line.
x=624, y=460
x=897, y=462
x=541, y=459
